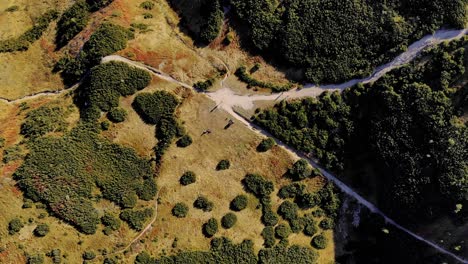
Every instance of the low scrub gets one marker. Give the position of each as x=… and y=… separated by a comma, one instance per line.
x=210, y=228
x=180, y=210
x=136, y=218
x=242, y=74
x=239, y=203
x=228, y=220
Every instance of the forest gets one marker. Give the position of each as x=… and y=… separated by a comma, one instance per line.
x=329, y=41
x=407, y=128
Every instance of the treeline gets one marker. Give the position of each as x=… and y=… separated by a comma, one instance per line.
x=405, y=126
x=225, y=251
x=203, y=19
x=22, y=42
x=75, y=19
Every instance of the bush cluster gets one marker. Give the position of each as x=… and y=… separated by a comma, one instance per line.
x=210, y=228
x=187, y=178
x=214, y=17
x=203, y=85
x=155, y=107
x=110, y=221
x=180, y=210
x=89, y=255
x=291, y=190
x=203, y=203
x=327, y=224
x=136, y=218
x=300, y=170
x=242, y=74
x=282, y=231
x=22, y=42
x=239, y=203
x=148, y=5
x=228, y=220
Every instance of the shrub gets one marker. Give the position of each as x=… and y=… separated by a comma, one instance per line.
x=210, y=227
x=257, y=185
x=154, y=107
x=14, y=226
x=228, y=220
x=72, y=21
x=98, y=4
x=148, y=5
x=268, y=235
x=180, y=210
x=288, y=210
x=308, y=200
x=297, y=224
x=282, y=231
x=203, y=203
x=310, y=227
x=110, y=221
x=117, y=115
x=239, y=203
x=135, y=219
x=187, y=178
x=89, y=255
x=56, y=256
x=318, y=213
x=269, y=218
x=35, y=259
x=223, y=165
x=41, y=230
x=140, y=26
x=300, y=170
x=266, y=145
x=319, y=242
x=291, y=190
x=184, y=141
x=147, y=15
x=2, y=142
x=327, y=224
x=105, y=125
x=12, y=9
x=203, y=85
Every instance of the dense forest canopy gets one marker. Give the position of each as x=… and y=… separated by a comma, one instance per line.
x=407, y=126
x=328, y=40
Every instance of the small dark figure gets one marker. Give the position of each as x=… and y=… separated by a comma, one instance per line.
x=229, y=124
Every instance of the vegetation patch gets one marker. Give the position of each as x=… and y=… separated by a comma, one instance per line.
x=62, y=173
x=203, y=203
x=239, y=203
x=22, y=42
x=136, y=218
x=266, y=144
x=210, y=228
x=228, y=220
x=117, y=115
x=319, y=242
x=72, y=22
x=223, y=165
x=43, y=120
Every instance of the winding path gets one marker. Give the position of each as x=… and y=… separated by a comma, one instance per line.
x=226, y=99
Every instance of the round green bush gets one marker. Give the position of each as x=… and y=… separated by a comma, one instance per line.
x=319, y=242
x=187, y=178
x=105, y=125
x=268, y=235
x=117, y=115
x=327, y=224
x=282, y=231
x=14, y=226
x=180, y=210
x=310, y=228
x=88, y=255
x=288, y=210
x=269, y=218
x=184, y=141
x=210, y=228
x=203, y=203
x=239, y=203
x=41, y=230
x=228, y=220
x=300, y=170
x=223, y=165
x=266, y=145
